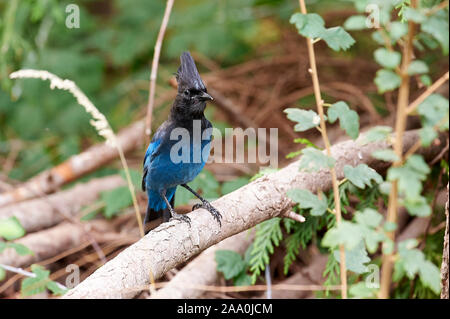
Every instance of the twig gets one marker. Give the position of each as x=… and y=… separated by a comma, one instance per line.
x=294, y=216
x=156, y=54
x=26, y=273
x=323, y=131
x=411, y=108
x=400, y=125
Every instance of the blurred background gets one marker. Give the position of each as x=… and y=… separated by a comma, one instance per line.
x=246, y=50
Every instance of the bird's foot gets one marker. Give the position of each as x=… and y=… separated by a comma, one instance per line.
x=210, y=208
x=181, y=217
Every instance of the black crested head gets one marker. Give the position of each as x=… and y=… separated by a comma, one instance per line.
x=187, y=74
x=192, y=95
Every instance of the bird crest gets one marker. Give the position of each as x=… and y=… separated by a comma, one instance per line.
x=187, y=74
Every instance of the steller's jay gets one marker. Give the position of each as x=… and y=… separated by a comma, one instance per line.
x=162, y=174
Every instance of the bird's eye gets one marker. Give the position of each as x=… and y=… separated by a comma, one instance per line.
x=186, y=92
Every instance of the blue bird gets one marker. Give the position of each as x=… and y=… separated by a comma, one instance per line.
x=179, y=148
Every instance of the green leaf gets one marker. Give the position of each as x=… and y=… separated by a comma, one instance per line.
x=10, y=228
x=437, y=27
x=389, y=226
x=312, y=26
x=417, y=67
x=229, y=262
x=387, y=59
x=308, y=25
x=386, y=80
x=355, y=259
x=314, y=160
x=427, y=135
x=417, y=206
x=426, y=80
x=434, y=110
x=369, y=217
x=116, y=200
x=398, y=30
x=368, y=221
x=430, y=276
x=386, y=155
x=348, y=119
x=305, y=119
x=307, y=200
x=360, y=290
x=55, y=289
x=409, y=176
x=34, y=285
x=412, y=261
x=346, y=233
x=362, y=175
x=243, y=279
x=378, y=133
x=2, y=274
x=337, y=38
x=414, y=15
x=20, y=249
x=356, y=22
x=230, y=186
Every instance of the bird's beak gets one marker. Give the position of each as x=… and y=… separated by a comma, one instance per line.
x=205, y=96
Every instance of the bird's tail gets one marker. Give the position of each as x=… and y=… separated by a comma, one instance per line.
x=157, y=208
x=152, y=214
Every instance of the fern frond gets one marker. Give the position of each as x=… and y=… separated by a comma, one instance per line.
x=268, y=234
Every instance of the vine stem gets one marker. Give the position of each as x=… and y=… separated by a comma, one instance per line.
x=412, y=107
x=155, y=62
x=323, y=131
x=132, y=191
x=400, y=125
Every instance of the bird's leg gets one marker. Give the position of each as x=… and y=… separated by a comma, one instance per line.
x=205, y=204
x=173, y=213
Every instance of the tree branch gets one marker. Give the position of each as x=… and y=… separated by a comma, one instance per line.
x=155, y=61
x=175, y=242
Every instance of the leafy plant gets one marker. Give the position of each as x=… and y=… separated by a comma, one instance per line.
x=233, y=266
x=40, y=282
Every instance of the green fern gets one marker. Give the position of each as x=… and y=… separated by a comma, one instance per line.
x=331, y=272
x=301, y=236
x=268, y=234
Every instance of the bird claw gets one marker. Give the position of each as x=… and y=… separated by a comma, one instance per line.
x=183, y=218
x=210, y=208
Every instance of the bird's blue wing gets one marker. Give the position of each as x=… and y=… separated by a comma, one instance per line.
x=152, y=148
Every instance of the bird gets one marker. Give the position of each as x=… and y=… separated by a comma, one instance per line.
x=163, y=171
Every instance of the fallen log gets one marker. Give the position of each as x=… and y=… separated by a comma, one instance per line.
x=76, y=166
x=175, y=242
x=202, y=270
x=47, y=211
x=47, y=243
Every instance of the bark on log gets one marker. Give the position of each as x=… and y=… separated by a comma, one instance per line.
x=201, y=270
x=175, y=242
x=46, y=244
x=76, y=166
x=445, y=258
x=48, y=211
